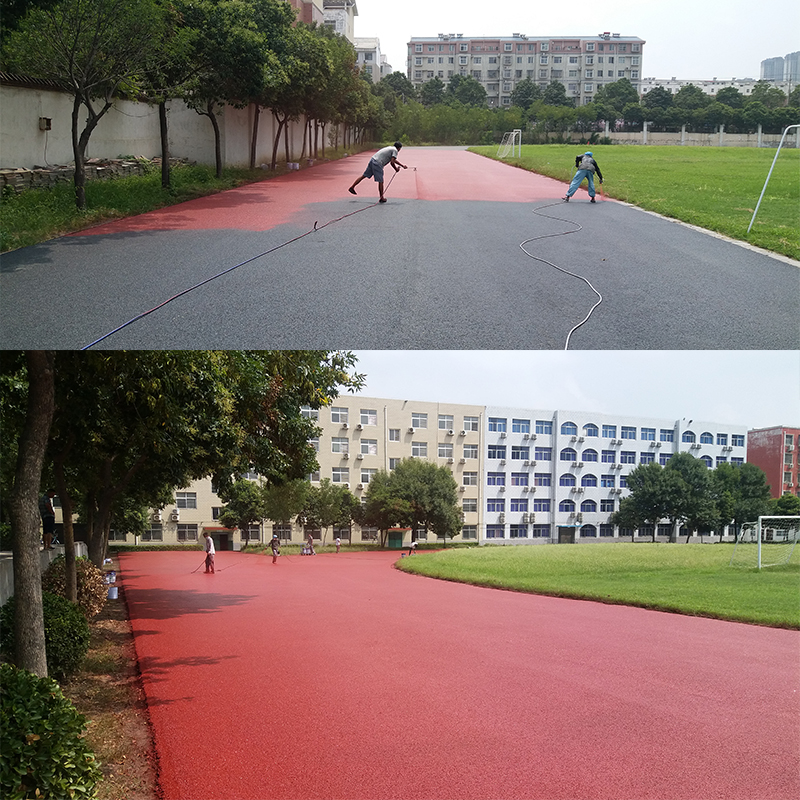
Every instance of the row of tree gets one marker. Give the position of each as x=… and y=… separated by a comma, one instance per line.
x=687, y=494
x=114, y=431
x=416, y=494
x=209, y=53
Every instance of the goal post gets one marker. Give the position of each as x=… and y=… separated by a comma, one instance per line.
x=768, y=542
x=512, y=143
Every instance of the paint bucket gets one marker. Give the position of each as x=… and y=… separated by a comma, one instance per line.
x=112, y=592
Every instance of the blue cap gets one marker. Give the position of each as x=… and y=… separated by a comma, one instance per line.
x=587, y=153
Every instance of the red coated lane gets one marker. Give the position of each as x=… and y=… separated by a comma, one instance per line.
x=432, y=174
x=337, y=676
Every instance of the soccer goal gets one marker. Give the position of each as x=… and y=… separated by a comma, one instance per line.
x=512, y=143
x=766, y=543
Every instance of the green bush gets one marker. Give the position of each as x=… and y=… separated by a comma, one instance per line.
x=66, y=634
x=42, y=751
x=6, y=539
x=92, y=589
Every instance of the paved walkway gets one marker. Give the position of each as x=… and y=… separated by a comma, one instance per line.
x=338, y=677
x=437, y=267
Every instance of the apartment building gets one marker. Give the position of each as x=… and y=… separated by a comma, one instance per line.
x=709, y=87
x=340, y=15
x=775, y=451
x=557, y=476
x=308, y=11
x=582, y=64
x=369, y=58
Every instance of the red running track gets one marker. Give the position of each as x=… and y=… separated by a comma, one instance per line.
x=337, y=676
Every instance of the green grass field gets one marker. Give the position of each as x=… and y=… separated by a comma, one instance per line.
x=687, y=579
x=716, y=188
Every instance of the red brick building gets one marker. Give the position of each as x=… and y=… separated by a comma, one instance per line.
x=775, y=451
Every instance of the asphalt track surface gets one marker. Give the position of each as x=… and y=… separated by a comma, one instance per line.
x=439, y=266
x=337, y=676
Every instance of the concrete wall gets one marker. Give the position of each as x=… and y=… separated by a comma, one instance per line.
x=45, y=557
x=130, y=129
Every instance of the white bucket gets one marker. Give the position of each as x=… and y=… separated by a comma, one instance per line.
x=112, y=592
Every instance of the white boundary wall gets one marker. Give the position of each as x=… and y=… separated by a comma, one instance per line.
x=45, y=557
x=130, y=129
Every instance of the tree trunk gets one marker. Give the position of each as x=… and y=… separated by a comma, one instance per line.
x=217, y=139
x=77, y=155
x=162, y=123
x=277, y=141
x=286, y=140
x=69, y=532
x=29, y=645
x=305, y=139
x=254, y=137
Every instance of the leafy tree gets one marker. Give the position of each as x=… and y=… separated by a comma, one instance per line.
x=555, y=94
x=616, y=96
x=694, y=504
x=467, y=90
x=691, y=97
x=659, y=97
x=431, y=93
x=383, y=508
x=740, y=493
x=651, y=498
x=794, y=97
x=731, y=97
x=95, y=49
x=399, y=85
x=326, y=505
x=787, y=505
x=525, y=94
x=244, y=506
x=284, y=501
x=771, y=96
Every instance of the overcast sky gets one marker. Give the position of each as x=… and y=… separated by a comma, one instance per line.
x=758, y=389
x=685, y=39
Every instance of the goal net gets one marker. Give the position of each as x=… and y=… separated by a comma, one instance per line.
x=767, y=542
x=511, y=144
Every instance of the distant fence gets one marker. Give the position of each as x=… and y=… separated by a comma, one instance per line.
x=45, y=557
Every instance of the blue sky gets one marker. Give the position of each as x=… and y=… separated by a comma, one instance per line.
x=685, y=39
x=758, y=389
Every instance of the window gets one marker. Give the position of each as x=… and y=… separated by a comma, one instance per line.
x=608, y=456
x=648, y=434
x=544, y=426
x=419, y=449
x=446, y=422
x=623, y=481
x=369, y=416
x=187, y=533
x=647, y=458
x=542, y=479
x=607, y=506
x=589, y=480
x=707, y=461
x=737, y=440
x=627, y=457
x=519, y=478
x=419, y=420
x=338, y=415
x=721, y=460
x=735, y=460
x=470, y=451
x=706, y=438
x=544, y=453
x=340, y=475
x=667, y=435
x=663, y=458
x=469, y=532
x=608, y=481
x=519, y=531
x=393, y=462
x=471, y=423
x=340, y=444
x=314, y=443
x=368, y=474
x=497, y=451
x=186, y=499
x=589, y=506
x=588, y=532
x=541, y=531
x=589, y=455
x=541, y=504
x=154, y=534
x=495, y=531
x=722, y=438
x=394, y=434
x=497, y=424
x=519, y=504
x=569, y=429
x=566, y=480
x=445, y=450
x=314, y=477
x=590, y=429
x=519, y=453
x=309, y=413
x=568, y=454
x=520, y=426
x=494, y=504
x=628, y=432
x=470, y=479
x=495, y=478
x=566, y=506
x=469, y=505
x=607, y=530
x=688, y=436
x=369, y=447
x=610, y=431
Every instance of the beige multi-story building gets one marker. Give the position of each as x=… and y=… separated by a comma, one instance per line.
x=582, y=64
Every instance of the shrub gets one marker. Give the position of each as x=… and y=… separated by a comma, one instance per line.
x=6, y=539
x=42, y=752
x=92, y=589
x=66, y=634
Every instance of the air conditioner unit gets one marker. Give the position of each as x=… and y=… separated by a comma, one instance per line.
x=411, y=430
x=502, y=461
x=574, y=489
x=462, y=460
x=461, y=488
x=526, y=436
x=502, y=434
x=616, y=466
x=345, y=455
x=462, y=433
x=359, y=427
x=581, y=438
x=450, y=460
x=579, y=517
x=580, y=488
x=360, y=456
x=157, y=517
x=533, y=463
x=579, y=464
x=175, y=516
x=501, y=518
x=501, y=488
x=524, y=517
x=526, y=488
x=345, y=425
x=574, y=439
x=526, y=463
x=450, y=432
x=346, y=485
x=658, y=444
x=533, y=436
x=531, y=517
x=618, y=491
x=360, y=486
